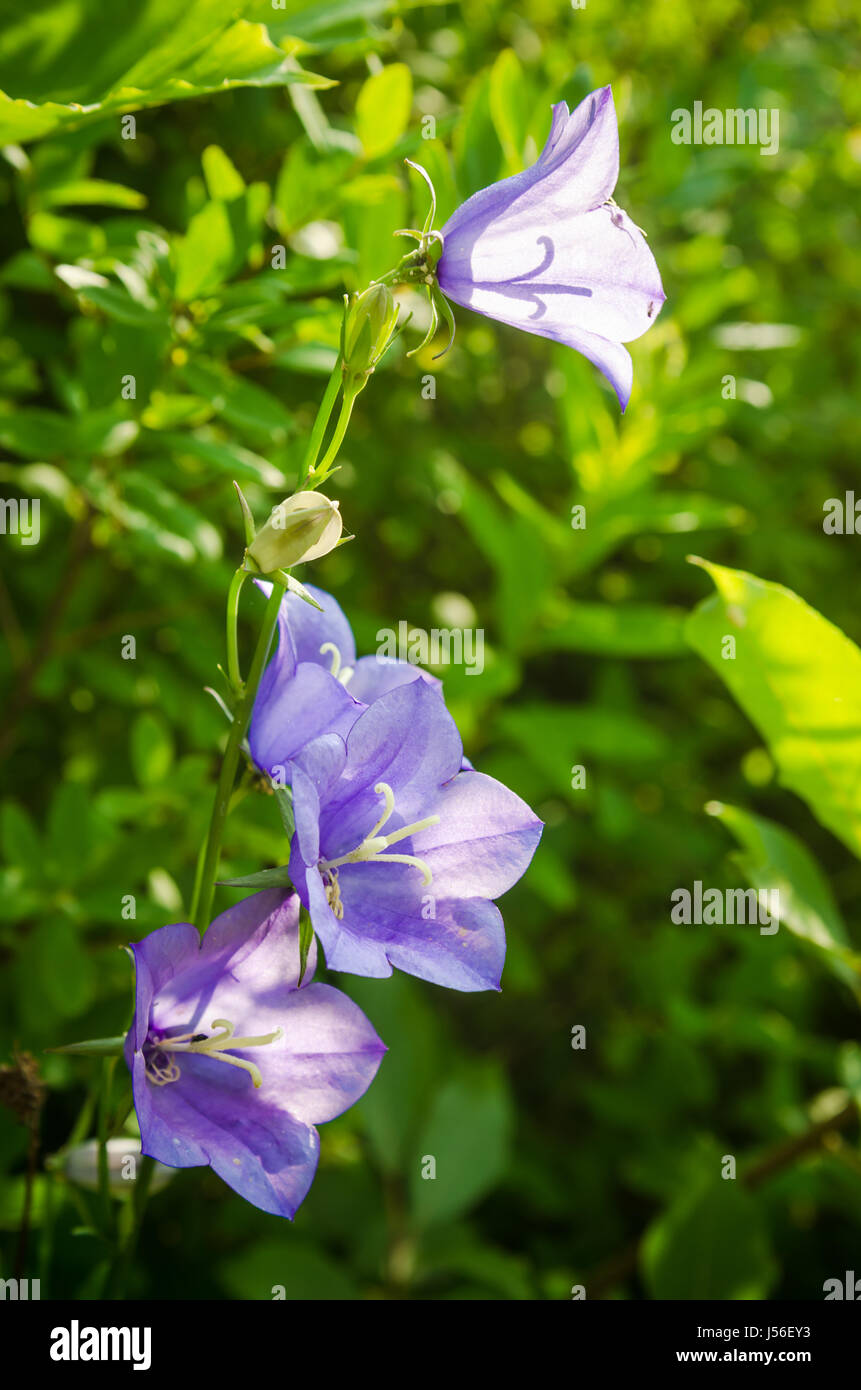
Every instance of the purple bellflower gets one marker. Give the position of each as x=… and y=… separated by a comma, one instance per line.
x=398, y=852
x=314, y=683
x=233, y=1064
x=550, y=252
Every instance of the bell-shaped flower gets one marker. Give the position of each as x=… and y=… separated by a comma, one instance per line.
x=233, y=1064
x=398, y=852
x=314, y=683
x=549, y=251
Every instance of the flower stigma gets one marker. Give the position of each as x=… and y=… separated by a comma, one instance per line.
x=343, y=674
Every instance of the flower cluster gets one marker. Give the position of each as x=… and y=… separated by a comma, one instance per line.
x=398, y=847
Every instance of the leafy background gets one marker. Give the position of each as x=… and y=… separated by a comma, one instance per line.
x=152, y=257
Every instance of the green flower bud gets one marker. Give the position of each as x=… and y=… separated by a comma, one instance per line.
x=81, y=1166
x=301, y=528
x=369, y=322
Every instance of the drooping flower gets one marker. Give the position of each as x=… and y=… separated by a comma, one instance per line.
x=232, y=1062
x=314, y=683
x=549, y=251
x=398, y=852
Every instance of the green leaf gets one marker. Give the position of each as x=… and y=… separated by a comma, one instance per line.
x=206, y=253
x=224, y=456
x=19, y=839
x=467, y=1134
x=264, y=878
x=556, y=736
x=295, y=586
x=151, y=749
x=70, y=830
x=150, y=510
x=509, y=107
x=58, y=975
x=776, y=859
x=616, y=520
x=306, y=936
x=798, y=679
x=116, y=302
x=623, y=629
x=91, y=193
x=393, y=1108
x=165, y=411
x=223, y=179
x=64, y=238
x=284, y=802
x=309, y=185
x=295, y=1266
x=383, y=109
x=241, y=403
x=710, y=1244
x=94, y=1047
x=36, y=434
x=85, y=75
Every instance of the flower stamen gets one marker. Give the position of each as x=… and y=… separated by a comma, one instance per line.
x=214, y=1046
x=373, y=847
x=333, y=892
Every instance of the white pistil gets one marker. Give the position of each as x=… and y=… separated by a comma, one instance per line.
x=214, y=1047
x=374, y=845
x=341, y=673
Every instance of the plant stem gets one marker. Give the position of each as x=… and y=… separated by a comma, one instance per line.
x=107, y=1076
x=205, y=885
x=123, y=1262
x=233, y=672
x=323, y=469
x=324, y=412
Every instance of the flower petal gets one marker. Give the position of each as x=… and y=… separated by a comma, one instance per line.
x=313, y=774
x=594, y=273
x=158, y=958
x=244, y=969
x=462, y=948
x=330, y=1054
x=407, y=739
x=213, y=1115
x=303, y=629
x=291, y=711
x=458, y=943
x=577, y=170
x=484, y=840
x=351, y=952
x=374, y=676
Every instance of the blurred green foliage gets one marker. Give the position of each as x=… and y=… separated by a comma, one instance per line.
x=169, y=311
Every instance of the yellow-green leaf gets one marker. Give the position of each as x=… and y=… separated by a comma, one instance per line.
x=798, y=679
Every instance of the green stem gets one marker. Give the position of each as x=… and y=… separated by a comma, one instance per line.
x=107, y=1076
x=324, y=467
x=327, y=405
x=233, y=672
x=208, y=870
x=125, y=1257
